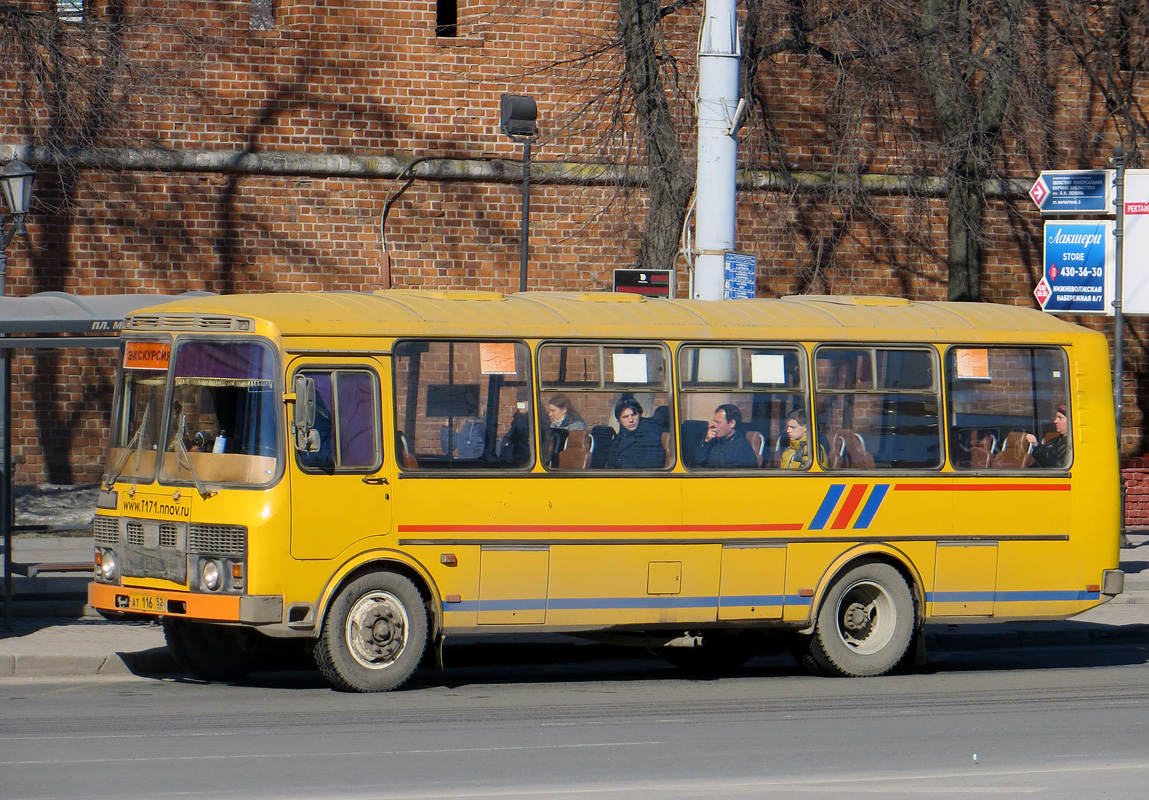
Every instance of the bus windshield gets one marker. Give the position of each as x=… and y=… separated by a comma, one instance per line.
x=221, y=418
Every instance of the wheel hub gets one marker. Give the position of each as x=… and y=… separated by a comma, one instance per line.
x=856, y=619
x=376, y=630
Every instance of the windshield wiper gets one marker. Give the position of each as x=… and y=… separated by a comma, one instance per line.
x=136, y=443
x=182, y=450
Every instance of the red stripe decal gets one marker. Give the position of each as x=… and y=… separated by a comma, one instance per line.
x=985, y=487
x=849, y=506
x=780, y=526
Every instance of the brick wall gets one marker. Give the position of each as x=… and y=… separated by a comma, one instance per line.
x=371, y=76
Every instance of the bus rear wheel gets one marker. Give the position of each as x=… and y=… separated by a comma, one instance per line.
x=212, y=652
x=374, y=634
x=865, y=624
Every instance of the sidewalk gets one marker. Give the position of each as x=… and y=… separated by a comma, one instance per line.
x=50, y=631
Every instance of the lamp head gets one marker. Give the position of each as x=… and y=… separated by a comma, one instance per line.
x=517, y=115
x=16, y=181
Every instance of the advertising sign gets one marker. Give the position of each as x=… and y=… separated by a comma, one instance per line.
x=1135, y=243
x=1079, y=261
x=739, y=272
x=648, y=282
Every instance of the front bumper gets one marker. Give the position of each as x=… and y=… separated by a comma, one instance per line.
x=246, y=609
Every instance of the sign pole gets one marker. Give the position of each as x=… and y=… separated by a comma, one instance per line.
x=1119, y=318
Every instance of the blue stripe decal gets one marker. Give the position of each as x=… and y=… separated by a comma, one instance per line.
x=608, y=603
x=960, y=597
x=877, y=495
x=512, y=605
x=833, y=495
x=741, y=601
x=751, y=600
x=1052, y=596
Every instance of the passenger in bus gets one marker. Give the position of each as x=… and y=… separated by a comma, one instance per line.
x=797, y=454
x=562, y=414
x=465, y=440
x=1055, y=452
x=725, y=445
x=638, y=443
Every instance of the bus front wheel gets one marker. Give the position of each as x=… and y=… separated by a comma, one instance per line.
x=865, y=624
x=374, y=634
x=212, y=652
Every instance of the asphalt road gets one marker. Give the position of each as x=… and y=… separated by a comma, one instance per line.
x=1065, y=723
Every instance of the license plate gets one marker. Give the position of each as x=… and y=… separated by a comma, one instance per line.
x=148, y=602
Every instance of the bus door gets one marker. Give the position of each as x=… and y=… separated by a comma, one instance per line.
x=339, y=489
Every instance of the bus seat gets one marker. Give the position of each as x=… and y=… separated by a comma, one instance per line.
x=692, y=432
x=668, y=448
x=602, y=435
x=859, y=457
x=1014, y=452
x=577, y=451
x=408, y=458
x=775, y=457
x=757, y=444
x=838, y=457
x=981, y=452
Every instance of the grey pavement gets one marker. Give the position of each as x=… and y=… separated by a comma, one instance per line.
x=49, y=632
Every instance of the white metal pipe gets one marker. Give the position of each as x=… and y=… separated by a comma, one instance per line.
x=716, y=187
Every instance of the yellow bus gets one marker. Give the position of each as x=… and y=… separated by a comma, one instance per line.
x=370, y=473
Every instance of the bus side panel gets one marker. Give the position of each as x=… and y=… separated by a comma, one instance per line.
x=633, y=584
x=753, y=577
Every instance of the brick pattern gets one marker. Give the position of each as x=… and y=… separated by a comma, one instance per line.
x=371, y=76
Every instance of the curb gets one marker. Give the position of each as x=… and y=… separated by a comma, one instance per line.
x=146, y=663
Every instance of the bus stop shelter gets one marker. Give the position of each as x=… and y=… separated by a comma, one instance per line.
x=52, y=320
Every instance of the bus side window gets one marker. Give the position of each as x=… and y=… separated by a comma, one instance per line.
x=347, y=421
x=878, y=407
x=581, y=387
x=464, y=405
x=763, y=383
x=1004, y=406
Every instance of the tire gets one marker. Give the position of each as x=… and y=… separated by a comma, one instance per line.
x=865, y=623
x=800, y=649
x=212, y=652
x=374, y=634
x=720, y=651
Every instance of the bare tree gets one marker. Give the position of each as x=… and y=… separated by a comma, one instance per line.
x=1110, y=41
x=82, y=74
x=671, y=176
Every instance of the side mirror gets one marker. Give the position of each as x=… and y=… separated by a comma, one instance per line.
x=306, y=437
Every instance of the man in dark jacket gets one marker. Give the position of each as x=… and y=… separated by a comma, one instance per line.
x=725, y=445
x=638, y=443
x=1055, y=452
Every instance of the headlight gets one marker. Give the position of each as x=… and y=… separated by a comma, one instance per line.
x=106, y=564
x=210, y=574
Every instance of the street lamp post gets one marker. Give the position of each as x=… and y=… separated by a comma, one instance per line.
x=517, y=119
x=16, y=183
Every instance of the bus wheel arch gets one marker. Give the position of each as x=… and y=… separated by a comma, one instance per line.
x=866, y=619
x=374, y=633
